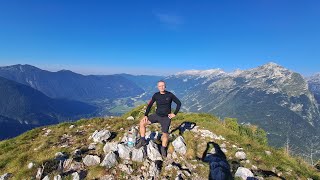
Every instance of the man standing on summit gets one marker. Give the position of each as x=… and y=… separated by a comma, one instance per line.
x=163, y=115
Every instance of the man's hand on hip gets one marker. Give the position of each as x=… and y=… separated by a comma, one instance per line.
x=171, y=115
x=145, y=119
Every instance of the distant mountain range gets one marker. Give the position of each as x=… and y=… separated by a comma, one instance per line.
x=270, y=96
x=23, y=107
x=67, y=84
x=281, y=101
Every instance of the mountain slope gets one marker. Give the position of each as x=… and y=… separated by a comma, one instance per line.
x=11, y=127
x=23, y=107
x=70, y=85
x=271, y=96
x=66, y=150
x=314, y=85
x=146, y=82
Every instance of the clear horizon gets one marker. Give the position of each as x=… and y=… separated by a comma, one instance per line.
x=160, y=38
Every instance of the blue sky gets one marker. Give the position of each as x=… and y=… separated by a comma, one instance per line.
x=160, y=37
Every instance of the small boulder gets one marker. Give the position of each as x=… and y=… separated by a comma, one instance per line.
x=241, y=155
x=5, y=176
x=153, y=151
x=179, y=145
x=48, y=131
x=243, y=173
x=91, y=160
x=110, y=160
x=75, y=176
x=268, y=153
x=92, y=146
x=253, y=167
x=124, y=151
x=67, y=164
x=100, y=136
x=138, y=154
x=30, y=165
x=71, y=126
x=70, y=165
x=130, y=118
x=110, y=146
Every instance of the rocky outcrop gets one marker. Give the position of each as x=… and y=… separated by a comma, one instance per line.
x=146, y=162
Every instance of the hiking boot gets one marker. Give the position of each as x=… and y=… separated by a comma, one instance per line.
x=163, y=151
x=142, y=142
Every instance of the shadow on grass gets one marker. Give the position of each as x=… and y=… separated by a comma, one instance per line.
x=219, y=166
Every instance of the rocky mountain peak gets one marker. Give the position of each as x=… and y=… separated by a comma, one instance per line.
x=202, y=73
x=271, y=65
x=314, y=78
x=270, y=70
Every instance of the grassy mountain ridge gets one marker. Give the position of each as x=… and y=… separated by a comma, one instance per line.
x=22, y=107
x=41, y=144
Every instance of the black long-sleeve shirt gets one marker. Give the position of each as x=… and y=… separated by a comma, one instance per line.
x=163, y=102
